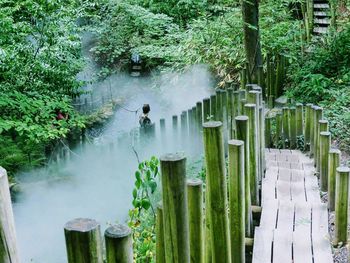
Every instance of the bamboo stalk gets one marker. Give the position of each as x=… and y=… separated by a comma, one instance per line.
x=243, y=130
x=217, y=193
x=175, y=218
x=334, y=162
x=341, y=205
x=237, y=202
x=195, y=218
x=119, y=244
x=325, y=143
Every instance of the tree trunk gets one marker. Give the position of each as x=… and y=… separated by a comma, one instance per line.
x=250, y=10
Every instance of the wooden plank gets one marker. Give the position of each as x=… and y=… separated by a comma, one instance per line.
x=284, y=165
x=281, y=158
x=297, y=175
x=312, y=190
x=284, y=174
x=283, y=190
x=302, y=246
x=271, y=173
x=293, y=158
x=282, y=246
x=298, y=192
x=296, y=166
x=271, y=163
x=320, y=236
x=269, y=214
x=273, y=150
x=262, y=245
x=285, y=151
x=285, y=219
x=269, y=190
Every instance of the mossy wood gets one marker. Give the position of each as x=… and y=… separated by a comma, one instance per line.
x=119, y=244
x=325, y=143
x=333, y=164
x=160, y=249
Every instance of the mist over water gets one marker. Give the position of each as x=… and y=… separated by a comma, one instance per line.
x=98, y=179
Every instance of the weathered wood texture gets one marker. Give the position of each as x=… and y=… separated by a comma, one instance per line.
x=290, y=202
x=119, y=244
x=8, y=242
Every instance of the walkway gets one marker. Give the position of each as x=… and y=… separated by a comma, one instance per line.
x=294, y=222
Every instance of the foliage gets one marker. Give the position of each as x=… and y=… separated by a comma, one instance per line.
x=142, y=216
x=39, y=61
x=323, y=78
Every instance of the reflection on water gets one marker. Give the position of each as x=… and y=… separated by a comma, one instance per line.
x=98, y=179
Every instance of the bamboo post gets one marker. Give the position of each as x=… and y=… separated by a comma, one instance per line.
x=8, y=242
x=292, y=128
x=160, y=250
x=285, y=123
x=318, y=116
x=268, y=132
x=83, y=241
x=250, y=110
x=278, y=135
x=325, y=143
x=213, y=107
x=322, y=127
x=341, y=205
x=307, y=126
x=217, y=193
x=237, y=202
x=175, y=218
x=242, y=133
x=206, y=109
x=195, y=218
x=119, y=244
x=334, y=162
x=299, y=119
x=199, y=115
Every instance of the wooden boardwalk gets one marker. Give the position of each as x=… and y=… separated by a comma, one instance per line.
x=294, y=222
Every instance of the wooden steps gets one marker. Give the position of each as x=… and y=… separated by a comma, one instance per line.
x=321, y=17
x=294, y=221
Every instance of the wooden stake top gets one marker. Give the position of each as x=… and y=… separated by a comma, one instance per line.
x=343, y=169
x=81, y=225
x=118, y=231
x=194, y=182
x=236, y=142
x=242, y=118
x=173, y=157
x=212, y=124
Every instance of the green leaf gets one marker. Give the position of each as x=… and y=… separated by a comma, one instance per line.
x=134, y=193
x=145, y=203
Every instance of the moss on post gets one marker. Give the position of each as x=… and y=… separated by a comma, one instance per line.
x=8, y=242
x=325, y=143
x=285, y=123
x=243, y=130
x=322, y=127
x=341, y=205
x=175, y=218
x=292, y=128
x=119, y=244
x=299, y=119
x=195, y=218
x=237, y=202
x=83, y=241
x=160, y=249
x=253, y=153
x=333, y=164
x=217, y=193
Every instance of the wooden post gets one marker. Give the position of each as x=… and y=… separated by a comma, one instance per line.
x=206, y=109
x=235, y=104
x=250, y=110
x=213, y=107
x=334, y=162
x=175, y=125
x=299, y=119
x=217, y=193
x=292, y=128
x=195, y=122
x=243, y=130
x=83, y=241
x=318, y=116
x=312, y=129
x=325, y=143
x=243, y=102
x=162, y=126
x=184, y=126
x=119, y=244
x=285, y=123
x=195, y=218
x=175, y=218
x=268, y=132
x=219, y=110
x=322, y=127
x=341, y=205
x=279, y=128
x=190, y=122
x=160, y=249
x=307, y=126
x=230, y=113
x=8, y=242
x=199, y=115
x=236, y=203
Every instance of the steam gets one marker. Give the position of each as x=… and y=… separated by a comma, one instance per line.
x=97, y=181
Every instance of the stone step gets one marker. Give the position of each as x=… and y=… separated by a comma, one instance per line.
x=321, y=6
x=324, y=21
x=320, y=14
x=320, y=30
